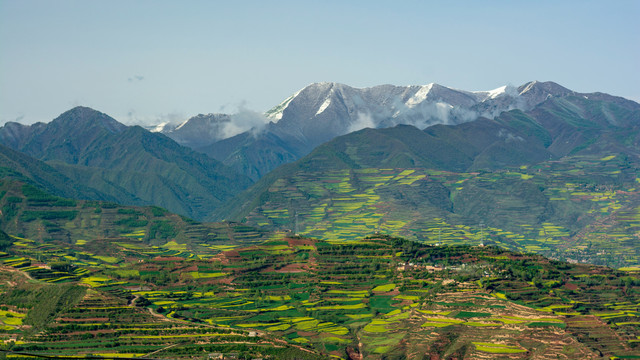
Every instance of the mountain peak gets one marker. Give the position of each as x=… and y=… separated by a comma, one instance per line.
x=420, y=95
x=536, y=92
x=548, y=87
x=322, y=85
x=87, y=117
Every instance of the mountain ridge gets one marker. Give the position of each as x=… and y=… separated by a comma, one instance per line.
x=566, y=122
x=128, y=163
x=322, y=111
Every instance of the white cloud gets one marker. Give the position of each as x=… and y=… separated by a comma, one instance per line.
x=364, y=120
x=244, y=120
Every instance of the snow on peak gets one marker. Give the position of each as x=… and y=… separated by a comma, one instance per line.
x=182, y=124
x=497, y=92
x=160, y=127
x=491, y=94
x=528, y=87
x=324, y=105
x=420, y=95
x=275, y=114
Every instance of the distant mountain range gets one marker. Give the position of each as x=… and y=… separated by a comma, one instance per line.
x=87, y=154
x=322, y=111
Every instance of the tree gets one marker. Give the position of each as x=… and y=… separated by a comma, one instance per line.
x=143, y=302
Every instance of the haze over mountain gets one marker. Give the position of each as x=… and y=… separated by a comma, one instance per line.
x=376, y=207
x=322, y=111
x=129, y=165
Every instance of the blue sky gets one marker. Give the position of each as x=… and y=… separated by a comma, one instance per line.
x=149, y=61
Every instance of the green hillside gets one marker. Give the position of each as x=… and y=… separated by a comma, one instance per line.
x=381, y=244
x=91, y=279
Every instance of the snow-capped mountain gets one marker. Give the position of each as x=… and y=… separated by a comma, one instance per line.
x=323, y=111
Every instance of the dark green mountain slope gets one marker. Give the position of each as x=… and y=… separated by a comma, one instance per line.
x=16, y=165
x=581, y=125
x=545, y=180
x=128, y=164
x=255, y=155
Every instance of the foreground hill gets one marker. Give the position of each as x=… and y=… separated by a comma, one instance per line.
x=559, y=179
x=126, y=164
x=375, y=298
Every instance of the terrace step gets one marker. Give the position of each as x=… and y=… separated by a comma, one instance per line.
x=598, y=335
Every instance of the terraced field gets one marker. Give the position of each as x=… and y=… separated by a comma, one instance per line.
x=29, y=213
x=376, y=297
x=91, y=279
x=581, y=209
